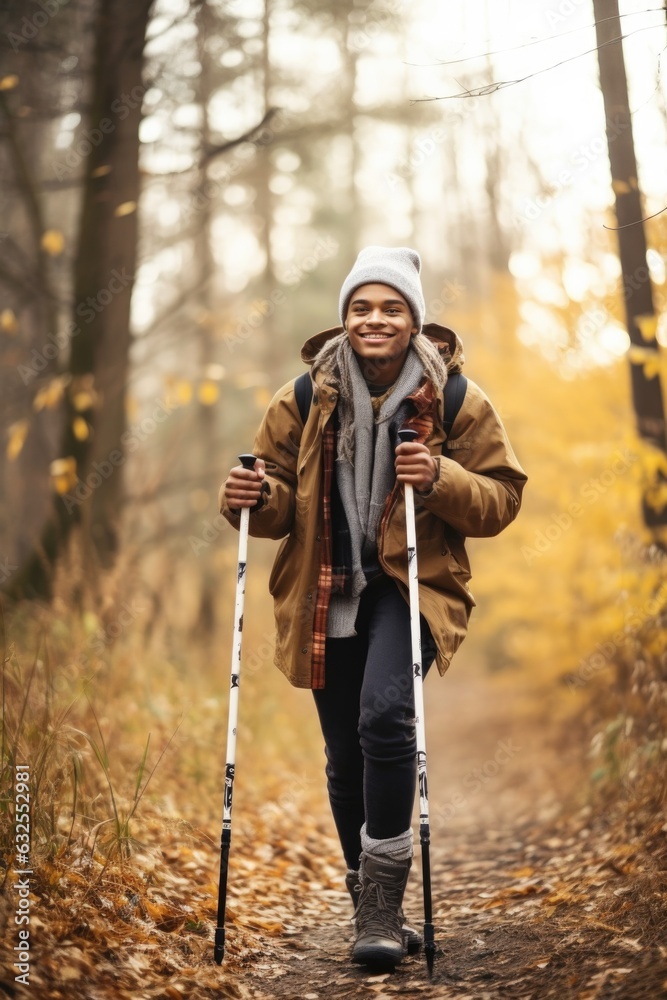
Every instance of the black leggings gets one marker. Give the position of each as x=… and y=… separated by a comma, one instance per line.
x=367, y=716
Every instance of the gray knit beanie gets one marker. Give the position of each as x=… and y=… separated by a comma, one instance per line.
x=398, y=267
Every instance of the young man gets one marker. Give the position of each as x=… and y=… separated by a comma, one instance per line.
x=332, y=488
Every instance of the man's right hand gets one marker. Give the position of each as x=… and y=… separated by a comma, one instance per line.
x=243, y=487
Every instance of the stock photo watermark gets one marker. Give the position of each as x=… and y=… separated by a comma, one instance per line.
x=31, y=26
x=131, y=440
x=564, y=9
x=579, y=161
x=476, y=779
x=23, y=870
x=212, y=188
x=91, y=137
x=325, y=248
x=85, y=310
x=590, y=492
x=604, y=652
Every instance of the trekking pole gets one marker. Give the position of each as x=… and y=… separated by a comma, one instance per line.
x=248, y=462
x=424, y=829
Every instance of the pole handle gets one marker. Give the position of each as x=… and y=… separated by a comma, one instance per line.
x=247, y=461
x=406, y=434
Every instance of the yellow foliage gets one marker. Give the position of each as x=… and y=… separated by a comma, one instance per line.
x=125, y=208
x=9, y=82
x=53, y=242
x=656, y=497
x=562, y=583
x=63, y=474
x=208, y=392
x=16, y=438
x=49, y=395
x=80, y=429
x=83, y=400
x=649, y=360
x=183, y=392
x=8, y=322
x=647, y=325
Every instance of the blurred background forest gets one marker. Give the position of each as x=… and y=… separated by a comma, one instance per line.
x=185, y=184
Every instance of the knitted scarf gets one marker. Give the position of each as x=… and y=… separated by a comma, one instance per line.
x=365, y=477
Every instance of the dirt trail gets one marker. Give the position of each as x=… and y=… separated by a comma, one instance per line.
x=529, y=900
x=535, y=896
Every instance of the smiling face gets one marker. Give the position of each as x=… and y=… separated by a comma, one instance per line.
x=379, y=326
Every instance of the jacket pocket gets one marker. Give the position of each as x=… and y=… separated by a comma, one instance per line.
x=280, y=566
x=454, y=544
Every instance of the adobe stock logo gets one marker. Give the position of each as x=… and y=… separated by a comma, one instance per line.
x=591, y=491
x=30, y=26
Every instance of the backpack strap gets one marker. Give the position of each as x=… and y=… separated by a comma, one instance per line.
x=455, y=391
x=303, y=390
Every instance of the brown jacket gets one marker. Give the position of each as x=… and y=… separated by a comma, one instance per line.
x=478, y=493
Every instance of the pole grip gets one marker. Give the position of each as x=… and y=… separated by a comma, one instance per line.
x=247, y=461
x=406, y=434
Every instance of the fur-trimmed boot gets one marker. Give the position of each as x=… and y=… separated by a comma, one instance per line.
x=379, y=940
x=412, y=939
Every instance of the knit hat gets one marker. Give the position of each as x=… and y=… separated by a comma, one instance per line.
x=395, y=266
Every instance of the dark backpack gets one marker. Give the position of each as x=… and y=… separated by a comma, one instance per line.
x=455, y=391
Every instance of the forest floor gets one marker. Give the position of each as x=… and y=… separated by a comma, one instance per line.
x=536, y=893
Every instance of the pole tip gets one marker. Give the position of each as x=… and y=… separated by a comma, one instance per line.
x=219, y=947
x=429, y=945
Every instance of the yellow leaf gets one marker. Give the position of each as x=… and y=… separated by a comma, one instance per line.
x=49, y=395
x=83, y=400
x=209, y=393
x=17, y=436
x=101, y=171
x=652, y=366
x=647, y=325
x=53, y=242
x=80, y=429
x=183, y=392
x=8, y=322
x=126, y=208
x=648, y=359
x=621, y=187
x=63, y=474
x=9, y=82
x=656, y=497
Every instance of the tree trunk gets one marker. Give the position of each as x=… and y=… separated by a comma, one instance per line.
x=638, y=298
x=268, y=286
x=103, y=277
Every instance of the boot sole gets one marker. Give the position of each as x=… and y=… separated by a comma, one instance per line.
x=381, y=959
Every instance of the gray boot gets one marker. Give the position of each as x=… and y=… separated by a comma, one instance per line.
x=379, y=940
x=412, y=939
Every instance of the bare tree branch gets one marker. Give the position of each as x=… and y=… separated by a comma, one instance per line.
x=492, y=88
x=246, y=137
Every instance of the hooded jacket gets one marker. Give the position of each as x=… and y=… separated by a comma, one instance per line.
x=476, y=494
